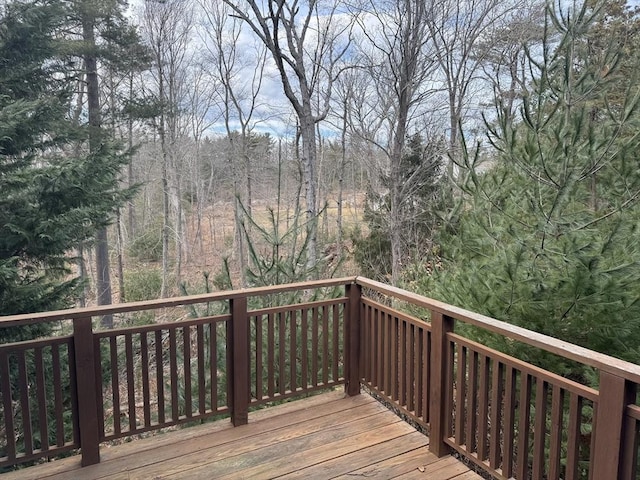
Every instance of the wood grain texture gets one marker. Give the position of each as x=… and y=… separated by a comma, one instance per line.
x=325, y=436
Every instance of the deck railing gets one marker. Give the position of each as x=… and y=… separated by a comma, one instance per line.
x=227, y=352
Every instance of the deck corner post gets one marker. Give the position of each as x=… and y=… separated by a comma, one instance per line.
x=438, y=407
x=238, y=368
x=609, y=449
x=352, y=339
x=86, y=391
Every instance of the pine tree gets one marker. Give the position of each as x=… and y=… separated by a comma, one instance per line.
x=52, y=197
x=547, y=239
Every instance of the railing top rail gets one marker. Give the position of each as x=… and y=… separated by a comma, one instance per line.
x=583, y=355
x=69, y=314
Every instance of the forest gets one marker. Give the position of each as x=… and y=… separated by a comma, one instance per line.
x=480, y=152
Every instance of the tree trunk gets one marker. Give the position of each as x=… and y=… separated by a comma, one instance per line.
x=103, y=277
x=120, y=243
x=308, y=161
x=130, y=177
x=343, y=163
x=166, y=219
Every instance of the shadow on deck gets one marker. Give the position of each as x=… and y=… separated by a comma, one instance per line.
x=321, y=437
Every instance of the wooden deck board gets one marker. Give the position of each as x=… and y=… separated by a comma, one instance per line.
x=326, y=436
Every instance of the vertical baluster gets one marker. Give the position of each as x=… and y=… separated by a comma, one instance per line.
x=573, y=440
x=73, y=386
x=99, y=386
x=314, y=347
x=201, y=370
x=325, y=344
x=418, y=358
x=391, y=362
x=364, y=339
x=57, y=397
x=42, y=399
x=213, y=366
x=391, y=346
x=115, y=385
x=509, y=421
x=335, y=343
x=7, y=405
x=426, y=374
x=461, y=395
x=293, y=351
x=160, y=377
x=411, y=367
x=131, y=394
x=592, y=446
x=401, y=362
x=483, y=407
x=282, y=350
x=524, y=425
x=25, y=408
x=629, y=467
x=540, y=429
x=186, y=350
x=472, y=402
x=497, y=389
x=259, y=355
x=555, y=433
x=173, y=374
x=146, y=394
x=271, y=354
x=304, y=349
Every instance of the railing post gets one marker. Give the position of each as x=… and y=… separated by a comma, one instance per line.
x=352, y=339
x=238, y=375
x=614, y=396
x=438, y=408
x=86, y=390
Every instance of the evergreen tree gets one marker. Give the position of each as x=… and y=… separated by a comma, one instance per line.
x=421, y=197
x=52, y=197
x=548, y=237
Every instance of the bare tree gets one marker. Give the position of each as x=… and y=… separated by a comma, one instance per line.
x=505, y=54
x=306, y=43
x=460, y=32
x=202, y=111
x=167, y=27
x=240, y=102
x=398, y=56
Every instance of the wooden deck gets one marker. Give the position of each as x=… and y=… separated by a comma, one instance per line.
x=322, y=437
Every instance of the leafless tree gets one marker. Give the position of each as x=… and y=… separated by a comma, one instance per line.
x=398, y=55
x=240, y=101
x=202, y=111
x=461, y=32
x=167, y=26
x=307, y=41
x=505, y=54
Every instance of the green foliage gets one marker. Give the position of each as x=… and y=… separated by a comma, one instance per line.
x=52, y=199
x=422, y=197
x=142, y=284
x=139, y=285
x=54, y=194
x=548, y=237
x=147, y=246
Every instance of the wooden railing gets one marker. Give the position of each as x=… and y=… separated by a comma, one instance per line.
x=512, y=419
x=223, y=353
x=79, y=390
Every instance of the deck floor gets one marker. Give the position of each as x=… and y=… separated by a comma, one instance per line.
x=322, y=437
